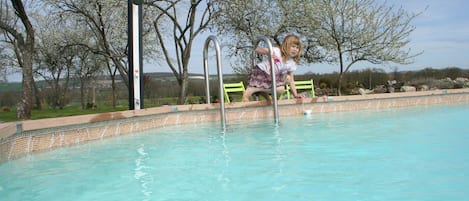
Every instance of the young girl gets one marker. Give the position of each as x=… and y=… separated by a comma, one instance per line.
x=286, y=59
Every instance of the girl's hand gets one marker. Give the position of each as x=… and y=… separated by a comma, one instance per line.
x=300, y=96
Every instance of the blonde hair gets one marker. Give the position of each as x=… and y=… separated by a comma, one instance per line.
x=287, y=43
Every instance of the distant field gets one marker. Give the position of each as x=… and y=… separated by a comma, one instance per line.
x=8, y=114
x=10, y=87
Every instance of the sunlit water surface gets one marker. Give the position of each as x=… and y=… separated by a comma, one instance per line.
x=400, y=154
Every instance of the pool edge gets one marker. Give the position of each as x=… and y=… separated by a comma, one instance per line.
x=25, y=137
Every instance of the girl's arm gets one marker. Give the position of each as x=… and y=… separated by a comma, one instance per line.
x=291, y=79
x=264, y=51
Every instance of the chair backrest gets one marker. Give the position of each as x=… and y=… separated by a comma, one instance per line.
x=231, y=88
x=302, y=85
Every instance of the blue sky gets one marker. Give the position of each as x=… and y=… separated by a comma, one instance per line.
x=442, y=33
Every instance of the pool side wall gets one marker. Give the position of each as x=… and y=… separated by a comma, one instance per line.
x=25, y=137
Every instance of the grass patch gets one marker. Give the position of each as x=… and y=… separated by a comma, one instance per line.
x=51, y=113
x=8, y=114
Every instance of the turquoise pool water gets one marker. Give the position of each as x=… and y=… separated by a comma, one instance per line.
x=401, y=154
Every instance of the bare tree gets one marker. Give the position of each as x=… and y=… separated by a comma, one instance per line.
x=362, y=30
x=19, y=31
x=196, y=15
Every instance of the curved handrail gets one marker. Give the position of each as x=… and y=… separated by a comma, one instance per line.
x=272, y=73
x=220, y=77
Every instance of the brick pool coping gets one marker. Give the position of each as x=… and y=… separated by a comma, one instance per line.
x=25, y=137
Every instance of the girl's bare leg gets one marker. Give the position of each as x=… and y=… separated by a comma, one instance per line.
x=248, y=93
x=251, y=90
x=263, y=92
x=288, y=79
x=265, y=95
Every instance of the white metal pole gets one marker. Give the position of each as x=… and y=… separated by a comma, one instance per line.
x=136, y=55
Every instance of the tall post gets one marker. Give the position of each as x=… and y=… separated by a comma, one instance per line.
x=135, y=55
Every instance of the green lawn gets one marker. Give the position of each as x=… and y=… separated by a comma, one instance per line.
x=9, y=114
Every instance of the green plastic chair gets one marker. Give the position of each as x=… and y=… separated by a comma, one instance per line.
x=300, y=85
x=233, y=88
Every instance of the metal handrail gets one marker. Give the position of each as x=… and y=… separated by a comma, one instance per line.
x=272, y=73
x=220, y=77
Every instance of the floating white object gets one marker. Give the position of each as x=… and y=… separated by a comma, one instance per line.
x=307, y=112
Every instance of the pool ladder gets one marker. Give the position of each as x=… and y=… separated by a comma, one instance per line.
x=220, y=76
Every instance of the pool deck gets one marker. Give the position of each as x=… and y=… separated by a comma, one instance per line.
x=25, y=137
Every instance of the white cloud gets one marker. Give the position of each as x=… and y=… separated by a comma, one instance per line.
x=442, y=32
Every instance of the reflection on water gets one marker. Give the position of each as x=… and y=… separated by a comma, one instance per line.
x=400, y=154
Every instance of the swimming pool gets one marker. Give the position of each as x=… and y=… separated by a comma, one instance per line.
x=417, y=153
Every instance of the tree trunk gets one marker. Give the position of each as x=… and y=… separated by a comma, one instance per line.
x=25, y=57
x=114, y=93
x=37, y=96
x=184, y=85
x=25, y=106
x=339, y=88
x=112, y=73
x=341, y=73
x=82, y=92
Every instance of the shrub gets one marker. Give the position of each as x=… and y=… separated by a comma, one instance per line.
x=5, y=109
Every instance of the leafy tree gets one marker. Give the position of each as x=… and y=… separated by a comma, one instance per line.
x=19, y=31
x=242, y=22
x=107, y=21
x=54, y=60
x=187, y=19
x=334, y=31
x=351, y=31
